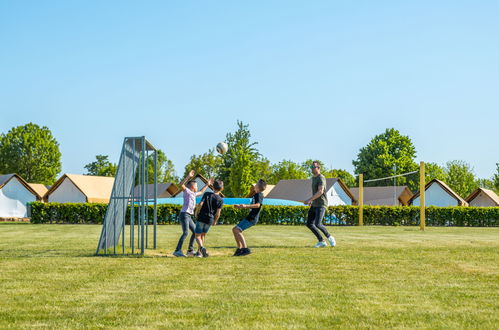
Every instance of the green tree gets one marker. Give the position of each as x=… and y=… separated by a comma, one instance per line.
x=344, y=175
x=484, y=183
x=287, y=170
x=32, y=152
x=165, y=169
x=262, y=169
x=460, y=177
x=377, y=159
x=434, y=171
x=238, y=168
x=101, y=167
x=207, y=164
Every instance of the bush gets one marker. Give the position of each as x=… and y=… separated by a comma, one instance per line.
x=345, y=215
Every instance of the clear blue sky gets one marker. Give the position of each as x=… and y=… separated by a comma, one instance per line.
x=314, y=79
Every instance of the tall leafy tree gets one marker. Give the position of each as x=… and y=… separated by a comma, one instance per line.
x=165, y=169
x=434, y=171
x=101, y=167
x=262, y=169
x=460, y=177
x=207, y=164
x=344, y=175
x=287, y=170
x=377, y=159
x=238, y=170
x=484, y=183
x=32, y=152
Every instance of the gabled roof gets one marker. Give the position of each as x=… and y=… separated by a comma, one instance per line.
x=384, y=195
x=202, y=178
x=300, y=190
x=460, y=200
x=266, y=192
x=489, y=193
x=164, y=190
x=40, y=189
x=97, y=189
x=4, y=179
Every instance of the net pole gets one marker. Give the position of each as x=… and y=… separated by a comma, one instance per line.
x=143, y=197
x=132, y=205
x=361, y=199
x=147, y=199
x=422, y=215
x=155, y=219
x=125, y=203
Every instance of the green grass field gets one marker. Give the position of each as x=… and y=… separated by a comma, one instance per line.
x=377, y=277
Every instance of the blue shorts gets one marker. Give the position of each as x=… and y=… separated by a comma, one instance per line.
x=245, y=224
x=202, y=228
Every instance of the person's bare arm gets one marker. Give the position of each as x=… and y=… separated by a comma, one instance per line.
x=198, y=208
x=210, y=182
x=187, y=178
x=318, y=194
x=247, y=206
x=217, y=216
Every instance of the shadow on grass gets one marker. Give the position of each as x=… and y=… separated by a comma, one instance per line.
x=264, y=247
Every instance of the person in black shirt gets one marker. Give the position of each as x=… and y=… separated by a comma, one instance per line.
x=251, y=220
x=208, y=213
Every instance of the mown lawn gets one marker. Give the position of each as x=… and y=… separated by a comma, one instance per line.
x=376, y=277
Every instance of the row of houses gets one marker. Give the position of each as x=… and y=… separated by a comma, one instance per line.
x=16, y=193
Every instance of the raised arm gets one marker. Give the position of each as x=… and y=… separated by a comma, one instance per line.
x=187, y=178
x=210, y=182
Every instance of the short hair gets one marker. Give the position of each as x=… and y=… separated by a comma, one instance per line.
x=317, y=164
x=191, y=183
x=218, y=185
x=262, y=184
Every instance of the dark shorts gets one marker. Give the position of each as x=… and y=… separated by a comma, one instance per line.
x=202, y=228
x=245, y=224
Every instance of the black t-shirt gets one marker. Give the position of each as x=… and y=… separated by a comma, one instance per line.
x=255, y=213
x=211, y=203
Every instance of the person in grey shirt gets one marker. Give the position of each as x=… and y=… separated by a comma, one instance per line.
x=318, y=205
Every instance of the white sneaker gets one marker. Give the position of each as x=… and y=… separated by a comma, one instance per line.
x=320, y=244
x=331, y=241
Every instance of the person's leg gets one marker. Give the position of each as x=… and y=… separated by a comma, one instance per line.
x=199, y=232
x=241, y=242
x=236, y=232
x=319, y=215
x=311, y=224
x=185, y=231
x=203, y=248
x=192, y=227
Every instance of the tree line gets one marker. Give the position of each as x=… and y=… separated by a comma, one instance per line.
x=33, y=152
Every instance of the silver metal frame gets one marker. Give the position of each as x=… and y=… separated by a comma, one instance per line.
x=132, y=171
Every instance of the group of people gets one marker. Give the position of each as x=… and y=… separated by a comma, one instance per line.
x=209, y=209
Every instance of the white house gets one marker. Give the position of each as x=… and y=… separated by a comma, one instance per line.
x=437, y=193
x=75, y=188
x=15, y=193
x=300, y=190
x=483, y=197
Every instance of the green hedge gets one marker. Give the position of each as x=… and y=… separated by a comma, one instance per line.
x=285, y=215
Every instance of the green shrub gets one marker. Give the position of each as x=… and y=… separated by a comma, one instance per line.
x=284, y=215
